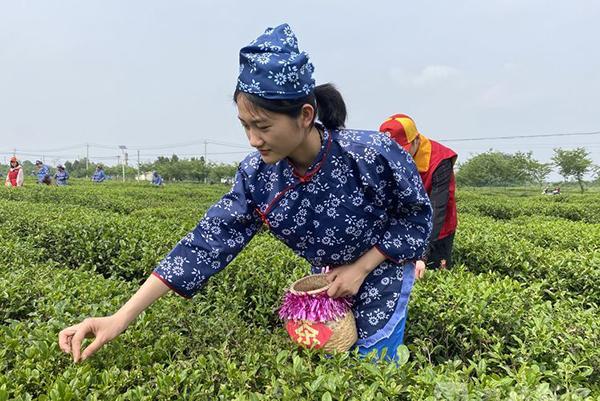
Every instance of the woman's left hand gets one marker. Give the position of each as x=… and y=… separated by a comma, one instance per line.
x=420, y=269
x=346, y=280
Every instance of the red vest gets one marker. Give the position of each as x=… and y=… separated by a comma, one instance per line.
x=428, y=158
x=13, y=173
x=439, y=153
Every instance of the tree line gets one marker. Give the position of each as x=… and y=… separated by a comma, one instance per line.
x=170, y=168
x=493, y=168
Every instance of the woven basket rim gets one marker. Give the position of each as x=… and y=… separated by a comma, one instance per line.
x=311, y=292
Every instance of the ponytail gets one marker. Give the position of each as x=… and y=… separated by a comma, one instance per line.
x=331, y=108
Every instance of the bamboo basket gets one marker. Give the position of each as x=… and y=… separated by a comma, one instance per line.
x=343, y=330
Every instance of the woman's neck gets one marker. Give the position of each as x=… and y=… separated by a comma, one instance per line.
x=304, y=155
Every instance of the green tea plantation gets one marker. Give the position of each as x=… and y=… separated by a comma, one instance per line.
x=517, y=318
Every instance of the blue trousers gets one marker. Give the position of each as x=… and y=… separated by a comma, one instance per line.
x=395, y=338
x=391, y=343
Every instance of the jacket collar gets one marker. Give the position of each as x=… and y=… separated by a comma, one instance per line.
x=319, y=160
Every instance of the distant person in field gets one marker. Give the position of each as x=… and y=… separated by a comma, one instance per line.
x=62, y=176
x=435, y=163
x=156, y=179
x=43, y=173
x=99, y=175
x=350, y=202
x=15, y=176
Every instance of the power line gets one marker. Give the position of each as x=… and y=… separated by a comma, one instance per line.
x=197, y=154
x=522, y=136
x=95, y=145
x=247, y=149
x=185, y=144
x=157, y=147
x=228, y=144
x=534, y=143
x=37, y=154
x=229, y=153
x=236, y=145
x=78, y=146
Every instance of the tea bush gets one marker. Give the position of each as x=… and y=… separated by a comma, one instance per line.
x=584, y=208
x=484, y=246
x=516, y=319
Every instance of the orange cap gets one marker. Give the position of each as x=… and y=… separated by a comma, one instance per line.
x=400, y=128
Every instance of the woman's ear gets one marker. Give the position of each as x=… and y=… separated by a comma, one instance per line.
x=307, y=115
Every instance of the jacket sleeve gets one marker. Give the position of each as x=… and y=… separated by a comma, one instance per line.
x=440, y=192
x=221, y=234
x=20, y=178
x=398, y=187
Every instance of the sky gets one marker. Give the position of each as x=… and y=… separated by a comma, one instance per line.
x=157, y=76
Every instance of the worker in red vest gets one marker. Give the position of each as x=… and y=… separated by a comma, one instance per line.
x=435, y=163
x=15, y=176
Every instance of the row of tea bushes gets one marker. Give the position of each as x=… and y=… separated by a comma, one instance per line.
x=484, y=246
x=519, y=321
x=80, y=237
x=459, y=315
x=131, y=197
x=547, y=232
x=119, y=198
x=129, y=247
x=204, y=349
x=584, y=208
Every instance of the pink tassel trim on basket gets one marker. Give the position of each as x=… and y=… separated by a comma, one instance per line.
x=315, y=308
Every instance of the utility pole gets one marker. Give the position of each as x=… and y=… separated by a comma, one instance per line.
x=123, y=150
x=138, y=155
x=87, y=157
x=205, y=162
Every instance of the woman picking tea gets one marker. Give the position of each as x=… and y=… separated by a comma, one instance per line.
x=351, y=201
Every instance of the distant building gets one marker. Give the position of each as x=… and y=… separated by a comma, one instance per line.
x=144, y=176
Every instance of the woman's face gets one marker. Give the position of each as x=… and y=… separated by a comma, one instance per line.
x=13, y=163
x=275, y=135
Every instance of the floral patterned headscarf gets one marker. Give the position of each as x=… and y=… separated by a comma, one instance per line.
x=273, y=67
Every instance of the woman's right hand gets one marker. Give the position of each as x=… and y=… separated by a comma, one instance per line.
x=102, y=329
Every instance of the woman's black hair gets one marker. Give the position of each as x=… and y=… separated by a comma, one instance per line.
x=326, y=99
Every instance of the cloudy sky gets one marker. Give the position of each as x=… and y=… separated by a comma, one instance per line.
x=158, y=75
